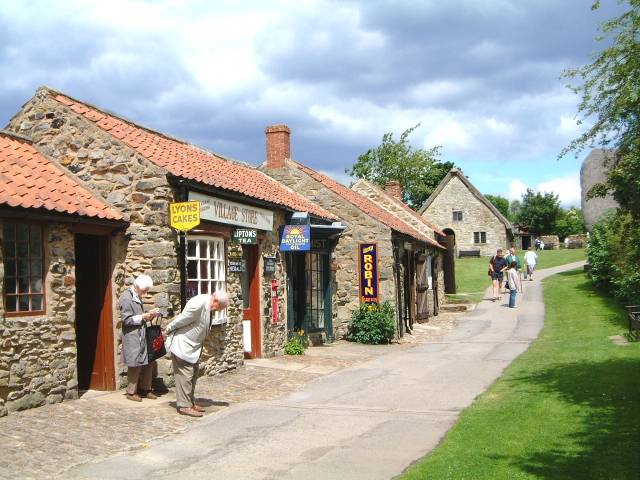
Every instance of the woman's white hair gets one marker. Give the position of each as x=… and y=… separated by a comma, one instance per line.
x=222, y=297
x=143, y=282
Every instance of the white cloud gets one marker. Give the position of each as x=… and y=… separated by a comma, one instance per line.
x=517, y=188
x=567, y=188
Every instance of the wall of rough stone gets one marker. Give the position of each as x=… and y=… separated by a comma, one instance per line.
x=344, y=261
x=476, y=217
x=551, y=242
x=594, y=171
x=38, y=354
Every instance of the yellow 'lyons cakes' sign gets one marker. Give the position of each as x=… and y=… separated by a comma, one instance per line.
x=184, y=215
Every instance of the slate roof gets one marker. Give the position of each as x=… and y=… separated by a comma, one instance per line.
x=29, y=180
x=190, y=162
x=366, y=205
x=454, y=172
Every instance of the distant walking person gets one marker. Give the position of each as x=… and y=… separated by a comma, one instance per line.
x=530, y=258
x=537, y=243
x=512, y=274
x=497, y=267
x=185, y=336
x=134, y=339
x=512, y=257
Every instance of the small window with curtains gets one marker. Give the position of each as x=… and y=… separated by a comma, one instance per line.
x=206, y=270
x=23, y=269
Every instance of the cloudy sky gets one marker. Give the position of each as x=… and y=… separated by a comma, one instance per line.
x=481, y=77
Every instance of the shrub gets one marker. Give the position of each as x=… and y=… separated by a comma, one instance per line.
x=296, y=344
x=372, y=324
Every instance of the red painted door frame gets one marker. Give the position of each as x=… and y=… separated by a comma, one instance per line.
x=253, y=312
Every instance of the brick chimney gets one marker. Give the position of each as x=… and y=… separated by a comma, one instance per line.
x=278, y=145
x=393, y=188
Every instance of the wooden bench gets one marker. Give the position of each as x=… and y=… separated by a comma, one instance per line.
x=634, y=320
x=468, y=253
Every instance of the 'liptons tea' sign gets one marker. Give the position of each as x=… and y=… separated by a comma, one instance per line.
x=368, y=260
x=184, y=215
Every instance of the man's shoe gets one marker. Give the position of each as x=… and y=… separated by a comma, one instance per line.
x=190, y=412
x=198, y=408
x=150, y=395
x=134, y=398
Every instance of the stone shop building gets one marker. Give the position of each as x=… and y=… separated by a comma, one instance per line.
x=47, y=276
x=472, y=223
x=400, y=246
x=138, y=172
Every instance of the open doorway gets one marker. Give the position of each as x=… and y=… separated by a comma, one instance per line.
x=250, y=280
x=94, y=316
x=449, y=264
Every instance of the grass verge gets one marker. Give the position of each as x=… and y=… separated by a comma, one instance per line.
x=567, y=408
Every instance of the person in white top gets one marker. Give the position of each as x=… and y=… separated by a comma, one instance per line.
x=530, y=258
x=514, y=285
x=185, y=336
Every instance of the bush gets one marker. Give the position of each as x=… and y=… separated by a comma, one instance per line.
x=296, y=344
x=614, y=256
x=372, y=324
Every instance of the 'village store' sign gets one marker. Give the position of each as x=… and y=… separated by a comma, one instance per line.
x=368, y=262
x=225, y=211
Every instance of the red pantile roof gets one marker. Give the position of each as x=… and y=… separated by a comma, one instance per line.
x=190, y=162
x=366, y=205
x=30, y=180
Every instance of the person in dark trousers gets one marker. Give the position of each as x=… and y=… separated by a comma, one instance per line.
x=134, y=340
x=497, y=266
x=513, y=275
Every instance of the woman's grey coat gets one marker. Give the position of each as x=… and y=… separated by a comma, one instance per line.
x=134, y=340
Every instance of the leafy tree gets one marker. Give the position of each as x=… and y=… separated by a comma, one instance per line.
x=501, y=203
x=570, y=222
x=514, y=210
x=418, y=170
x=539, y=212
x=610, y=90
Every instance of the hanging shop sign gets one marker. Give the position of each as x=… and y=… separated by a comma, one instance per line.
x=232, y=213
x=270, y=264
x=236, y=263
x=245, y=236
x=295, y=238
x=184, y=216
x=368, y=269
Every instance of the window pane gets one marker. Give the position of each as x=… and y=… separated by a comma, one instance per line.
x=10, y=268
x=9, y=248
x=204, y=287
x=192, y=269
x=203, y=249
x=23, y=285
x=192, y=289
x=36, y=267
x=36, y=302
x=204, y=269
x=36, y=241
x=23, y=249
x=23, y=303
x=191, y=248
x=10, y=285
x=22, y=232
x=36, y=285
x=10, y=304
x=8, y=231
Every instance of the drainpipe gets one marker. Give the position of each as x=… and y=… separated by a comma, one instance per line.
x=182, y=196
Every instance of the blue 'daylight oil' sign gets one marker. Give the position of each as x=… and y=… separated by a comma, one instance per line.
x=368, y=260
x=295, y=238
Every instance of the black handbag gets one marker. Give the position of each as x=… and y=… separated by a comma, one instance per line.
x=155, y=342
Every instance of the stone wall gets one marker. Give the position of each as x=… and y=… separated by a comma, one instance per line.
x=594, y=170
x=551, y=242
x=38, y=354
x=576, y=241
x=344, y=260
x=476, y=217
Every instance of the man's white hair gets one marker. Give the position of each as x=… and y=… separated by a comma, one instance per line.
x=143, y=282
x=222, y=297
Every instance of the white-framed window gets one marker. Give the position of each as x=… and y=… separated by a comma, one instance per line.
x=206, y=267
x=479, y=237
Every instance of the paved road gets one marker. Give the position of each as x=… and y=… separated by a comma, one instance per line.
x=366, y=422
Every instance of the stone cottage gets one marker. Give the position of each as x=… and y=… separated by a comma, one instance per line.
x=429, y=262
x=45, y=216
x=593, y=171
x=138, y=172
x=399, y=246
x=472, y=223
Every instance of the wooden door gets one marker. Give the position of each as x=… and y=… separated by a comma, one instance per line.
x=422, y=286
x=94, y=314
x=449, y=242
x=251, y=298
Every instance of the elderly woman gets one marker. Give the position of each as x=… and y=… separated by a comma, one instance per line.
x=134, y=342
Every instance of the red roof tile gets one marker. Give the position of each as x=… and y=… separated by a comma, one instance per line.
x=30, y=180
x=190, y=162
x=365, y=204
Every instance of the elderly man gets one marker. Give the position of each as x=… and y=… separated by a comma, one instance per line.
x=185, y=337
x=134, y=341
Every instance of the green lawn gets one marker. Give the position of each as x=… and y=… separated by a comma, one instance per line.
x=472, y=278
x=568, y=408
